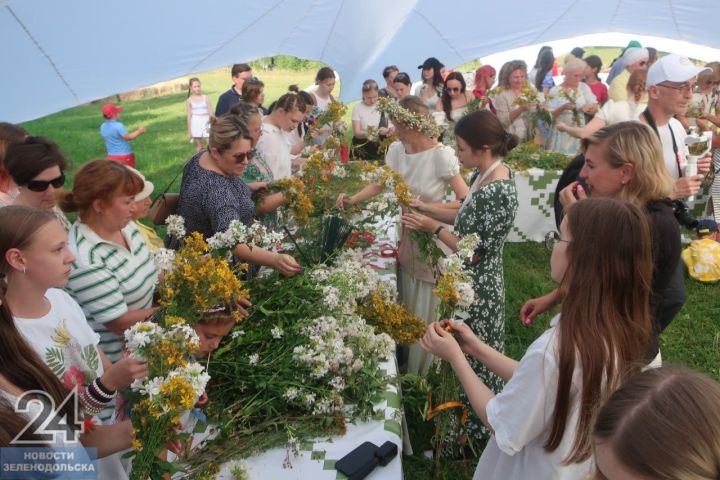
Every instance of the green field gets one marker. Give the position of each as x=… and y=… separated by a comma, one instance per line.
x=693, y=339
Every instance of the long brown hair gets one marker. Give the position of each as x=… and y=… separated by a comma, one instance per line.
x=605, y=321
x=19, y=363
x=654, y=443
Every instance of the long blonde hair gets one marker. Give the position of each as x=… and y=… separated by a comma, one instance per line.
x=636, y=144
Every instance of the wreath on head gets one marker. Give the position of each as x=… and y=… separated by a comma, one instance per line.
x=409, y=119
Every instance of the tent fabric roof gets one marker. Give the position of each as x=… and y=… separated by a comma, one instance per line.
x=61, y=54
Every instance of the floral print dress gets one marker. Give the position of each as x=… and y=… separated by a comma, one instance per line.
x=490, y=214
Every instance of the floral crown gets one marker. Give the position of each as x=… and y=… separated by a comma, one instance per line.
x=408, y=119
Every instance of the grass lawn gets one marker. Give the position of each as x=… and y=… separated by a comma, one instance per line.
x=693, y=339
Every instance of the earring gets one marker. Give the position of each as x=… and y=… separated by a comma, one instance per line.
x=24, y=270
x=622, y=182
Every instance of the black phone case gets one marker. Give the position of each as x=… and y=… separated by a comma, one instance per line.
x=358, y=464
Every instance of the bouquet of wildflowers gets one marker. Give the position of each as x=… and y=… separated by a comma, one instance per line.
x=297, y=200
x=455, y=289
x=172, y=387
x=530, y=96
x=571, y=96
x=394, y=182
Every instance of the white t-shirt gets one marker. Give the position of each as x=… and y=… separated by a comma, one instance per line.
x=667, y=144
x=521, y=417
x=619, y=111
x=64, y=340
x=275, y=149
x=367, y=115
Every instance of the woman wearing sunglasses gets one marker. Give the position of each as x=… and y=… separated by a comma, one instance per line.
x=213, y=194
x=453, y=103
x=37, y=166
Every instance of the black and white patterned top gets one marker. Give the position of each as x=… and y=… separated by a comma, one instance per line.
x=210, y=201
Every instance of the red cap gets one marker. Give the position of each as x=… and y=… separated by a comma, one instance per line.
x=110, y=110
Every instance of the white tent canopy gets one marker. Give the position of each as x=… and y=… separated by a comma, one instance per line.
x=60, y=54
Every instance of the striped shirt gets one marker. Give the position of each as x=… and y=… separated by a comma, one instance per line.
x=107, y=280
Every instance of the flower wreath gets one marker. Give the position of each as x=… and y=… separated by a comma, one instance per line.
x=408, y=119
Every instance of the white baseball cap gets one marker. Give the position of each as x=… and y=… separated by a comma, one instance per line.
x=634, y=55
x=148, y=186
x=672, y=68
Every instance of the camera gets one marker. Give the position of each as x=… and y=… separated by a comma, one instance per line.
x=683, y=217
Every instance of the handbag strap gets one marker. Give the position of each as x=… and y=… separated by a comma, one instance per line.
x=167, y=188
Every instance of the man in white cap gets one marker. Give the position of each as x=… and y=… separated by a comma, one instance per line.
x=634, y=59
x=670, y=83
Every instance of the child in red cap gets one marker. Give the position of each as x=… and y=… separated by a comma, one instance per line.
x=117, y=140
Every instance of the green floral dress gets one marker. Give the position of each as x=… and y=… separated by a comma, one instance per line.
x=490, y=214
x=258, y=170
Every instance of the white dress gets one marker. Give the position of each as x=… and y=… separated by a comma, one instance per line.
x=428, y=174
x=521, y=417
x=199, y=118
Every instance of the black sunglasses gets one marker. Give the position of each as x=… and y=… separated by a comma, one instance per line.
x=240, y=157
x=42, y=185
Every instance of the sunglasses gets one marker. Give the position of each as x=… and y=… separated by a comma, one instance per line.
x=42, y=185
x=453, y=89
x=240, y=157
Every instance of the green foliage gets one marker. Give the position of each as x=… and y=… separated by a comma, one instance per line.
x=530, y=155
x=287, y=62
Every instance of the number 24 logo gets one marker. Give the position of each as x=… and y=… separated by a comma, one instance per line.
x=47, y=422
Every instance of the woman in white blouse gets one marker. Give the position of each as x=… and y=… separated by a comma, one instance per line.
x=541, y=420
x=429, y=168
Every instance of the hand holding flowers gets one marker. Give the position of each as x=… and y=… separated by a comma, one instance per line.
x=418, y=221
x=442, y=343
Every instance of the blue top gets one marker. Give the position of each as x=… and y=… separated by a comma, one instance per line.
x=113, y=131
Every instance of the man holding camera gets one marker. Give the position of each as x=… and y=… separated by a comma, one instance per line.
x=670, y=83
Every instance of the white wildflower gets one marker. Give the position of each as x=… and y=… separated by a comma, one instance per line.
x=466, y=293
x=254, y=359
x=276, y=332
x=237, y=334
x=291, y=393
x=175, y=226
x=164, y=259
x=340, y=172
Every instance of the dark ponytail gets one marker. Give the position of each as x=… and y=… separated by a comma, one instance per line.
x=482, y=128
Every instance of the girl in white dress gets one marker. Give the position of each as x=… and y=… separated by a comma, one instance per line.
x=198, y=114
x=429, y=168
x=541, y=420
